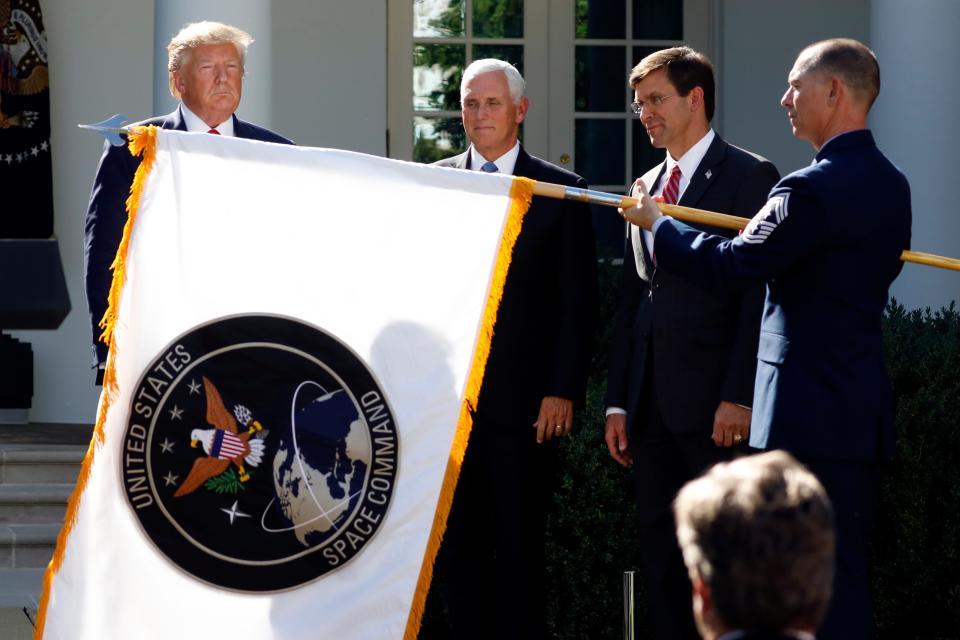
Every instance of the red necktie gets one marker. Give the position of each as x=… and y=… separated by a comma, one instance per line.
x=214, y=132
x=671, y=192
x=669, y=195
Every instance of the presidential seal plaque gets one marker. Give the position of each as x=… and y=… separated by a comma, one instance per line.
x=260, y=453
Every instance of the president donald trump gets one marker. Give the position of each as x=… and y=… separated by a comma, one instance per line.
x=206, y=65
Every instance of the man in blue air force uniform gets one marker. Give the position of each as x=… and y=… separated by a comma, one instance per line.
x=828, y=244
x=205, y=61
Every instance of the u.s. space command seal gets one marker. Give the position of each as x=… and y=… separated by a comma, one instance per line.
x=260, y=453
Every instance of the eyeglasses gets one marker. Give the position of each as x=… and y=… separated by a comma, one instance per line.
x=654, y=101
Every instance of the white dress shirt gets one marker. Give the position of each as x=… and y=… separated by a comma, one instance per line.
x=688, y=166
x=196, y=125
x=505, y=163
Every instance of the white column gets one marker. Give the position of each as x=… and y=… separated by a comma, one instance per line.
x=253, y=16
x=916, y=125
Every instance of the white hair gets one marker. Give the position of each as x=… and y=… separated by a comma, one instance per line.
x=487, y=65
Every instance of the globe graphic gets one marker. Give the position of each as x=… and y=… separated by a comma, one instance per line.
x=320, y=473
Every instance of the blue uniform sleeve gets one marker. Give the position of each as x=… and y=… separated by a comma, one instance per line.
x=787, y=229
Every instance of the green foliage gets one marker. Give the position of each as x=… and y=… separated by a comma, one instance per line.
x=226, y=482
x=917, y=546
x=498, y=18
x=426, y=149
x=592, y=534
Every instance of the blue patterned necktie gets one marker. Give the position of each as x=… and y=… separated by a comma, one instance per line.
x=489, y=167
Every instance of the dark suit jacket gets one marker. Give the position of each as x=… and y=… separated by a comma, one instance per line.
x=828, y=244
x=704, y=340
x=542, y=338
x=107, y=213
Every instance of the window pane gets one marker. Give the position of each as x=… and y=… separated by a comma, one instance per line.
x=601, y=79
x=657, y=20
x=438, y=18
x=639, y=53
x=437, y=69
x=437, y=138
x=498, y=18
x=600, y=151
x=601, y=19
x=512, y=53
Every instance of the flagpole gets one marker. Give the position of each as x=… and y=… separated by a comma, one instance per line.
x=701, y=216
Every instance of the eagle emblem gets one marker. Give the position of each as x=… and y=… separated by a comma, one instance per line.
x=23, y=59
x=223, y=445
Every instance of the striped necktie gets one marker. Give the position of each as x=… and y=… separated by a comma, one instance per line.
x=671, y=192
x=669, y=195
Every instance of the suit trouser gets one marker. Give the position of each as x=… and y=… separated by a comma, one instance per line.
x=662, y=463
x=853, y=488
x=490, y=568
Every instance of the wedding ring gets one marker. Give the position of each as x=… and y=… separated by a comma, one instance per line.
x=558, y=428
x=737, y=438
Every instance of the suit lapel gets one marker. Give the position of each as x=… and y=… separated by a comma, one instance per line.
x=698, y=186
x=641, y=254
x=174, y=121
x=701, y=180
x=462, y=161
x=524, y=167
x=241, y=129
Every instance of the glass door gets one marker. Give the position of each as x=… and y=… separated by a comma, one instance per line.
x=595, y=43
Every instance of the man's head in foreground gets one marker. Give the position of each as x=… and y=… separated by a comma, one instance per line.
x=757, y=538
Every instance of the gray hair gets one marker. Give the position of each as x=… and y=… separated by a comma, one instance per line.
x=758, y=532
x=197, y=34
x=515, y=81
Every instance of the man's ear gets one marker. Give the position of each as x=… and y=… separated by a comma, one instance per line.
x=702, y=592
x=696, y=99
x=178, y=82
x=836, y=88
x=522, y=109
x=704, y=613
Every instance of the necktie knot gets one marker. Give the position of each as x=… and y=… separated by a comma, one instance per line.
x=489, y=167
x=214, y=132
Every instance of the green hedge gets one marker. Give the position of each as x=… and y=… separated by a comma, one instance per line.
x=592, y=533
x=917, y=547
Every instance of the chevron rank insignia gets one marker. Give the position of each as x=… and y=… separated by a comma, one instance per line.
x=767, y=220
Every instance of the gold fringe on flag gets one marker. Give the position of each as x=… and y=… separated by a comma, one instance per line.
x=143, y=140
x=521, y=194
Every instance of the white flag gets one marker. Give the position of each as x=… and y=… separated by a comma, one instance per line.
x=298, y=335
